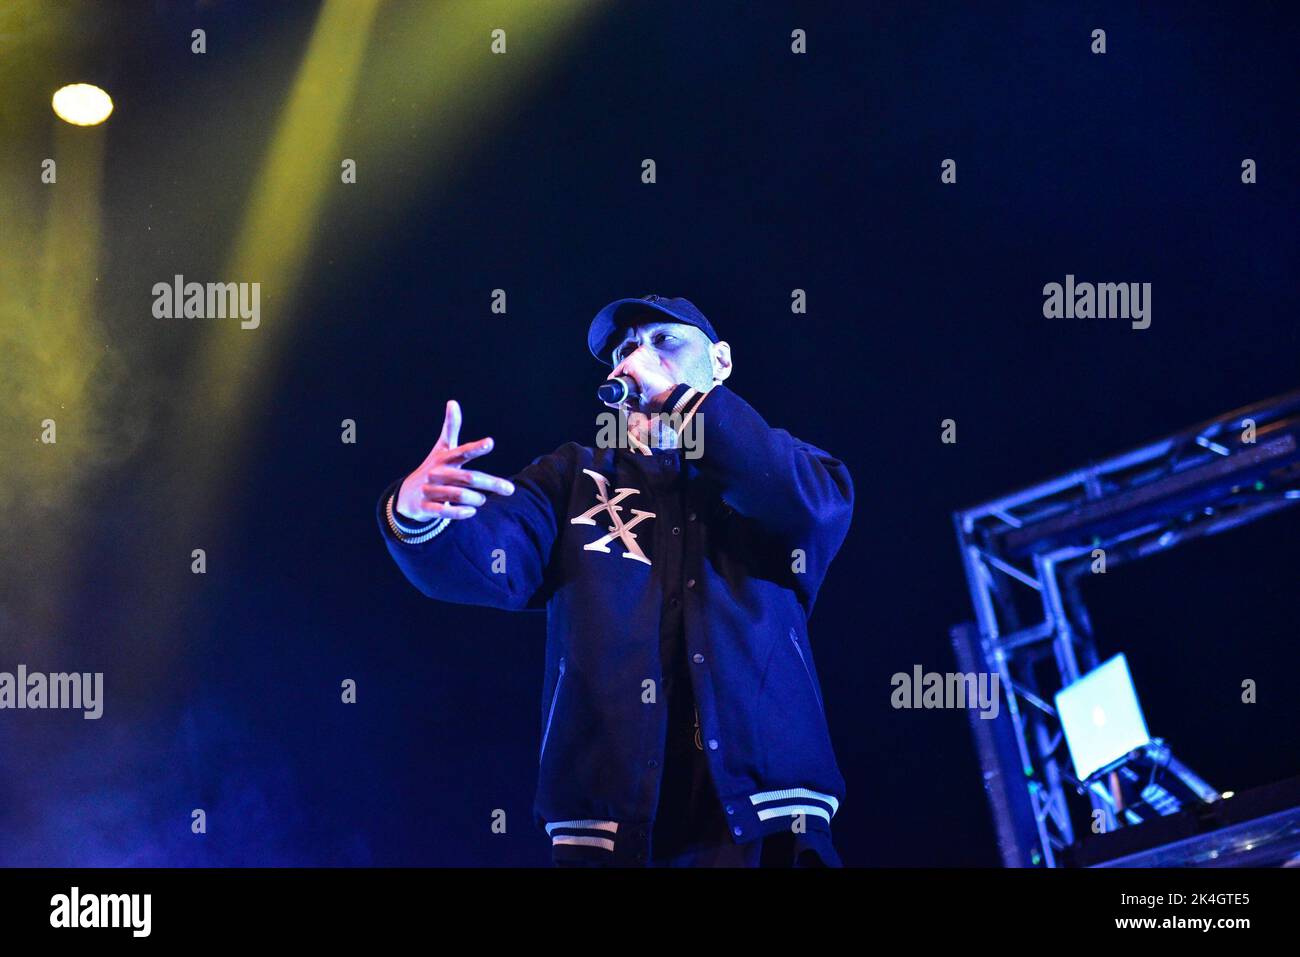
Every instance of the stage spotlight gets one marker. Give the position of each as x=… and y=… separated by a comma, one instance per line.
x=82, y=104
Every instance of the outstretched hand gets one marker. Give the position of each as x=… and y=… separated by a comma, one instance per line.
x=441, y=487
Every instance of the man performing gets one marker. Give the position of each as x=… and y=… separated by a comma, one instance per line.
x=682, y=721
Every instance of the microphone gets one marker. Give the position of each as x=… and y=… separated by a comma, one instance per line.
x=617, y=390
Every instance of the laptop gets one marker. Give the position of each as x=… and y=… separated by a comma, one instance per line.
x=1101, y=717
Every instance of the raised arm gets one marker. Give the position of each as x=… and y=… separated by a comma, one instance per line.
x=789, y=487
x=466, y=536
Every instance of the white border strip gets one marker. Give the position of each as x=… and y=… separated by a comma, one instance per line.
x=791, y=794
x=611, y=826
x=791, y=810
x=604, y=842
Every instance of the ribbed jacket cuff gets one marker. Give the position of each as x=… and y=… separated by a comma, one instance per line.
x=408, y=530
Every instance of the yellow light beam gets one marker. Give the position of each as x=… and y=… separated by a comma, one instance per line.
x=284, y=209
x=52, y=371
x=430, y=88
x=432, y=59
x=229, y=376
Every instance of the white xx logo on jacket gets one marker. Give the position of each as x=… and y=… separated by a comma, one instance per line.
x=620, y=529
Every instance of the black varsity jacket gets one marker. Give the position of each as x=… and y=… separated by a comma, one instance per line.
x=613, y=544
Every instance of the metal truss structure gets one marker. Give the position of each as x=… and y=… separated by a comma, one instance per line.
x=1024, y=555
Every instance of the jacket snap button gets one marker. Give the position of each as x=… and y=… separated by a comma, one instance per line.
x=698, y=659
x=731, y=809
x=737, y=831
x=713, y=744
x=652, y=763
x=690, y=583
x=676, y=530
x=690, y=517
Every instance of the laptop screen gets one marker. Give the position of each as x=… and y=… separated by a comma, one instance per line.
x=1101, y=717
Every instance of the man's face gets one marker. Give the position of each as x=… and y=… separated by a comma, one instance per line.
x=658, y=355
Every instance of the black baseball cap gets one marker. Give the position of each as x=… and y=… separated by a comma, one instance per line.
x=621, y=313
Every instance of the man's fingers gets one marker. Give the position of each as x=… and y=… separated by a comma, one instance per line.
x=450, y=436
x=470, y=450
x=623, y=370
x=453, y=493
x=447, y=510
x=457, y=512
x=468, y=478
